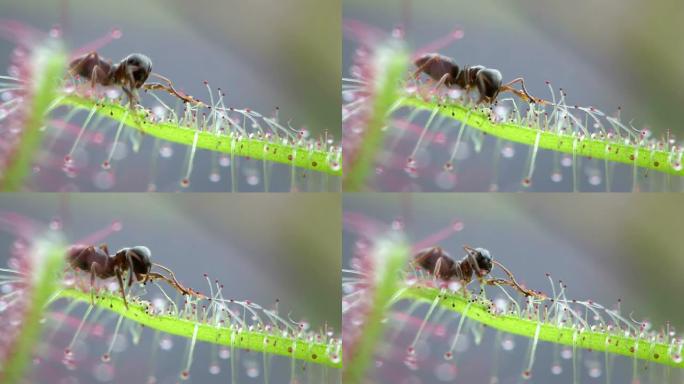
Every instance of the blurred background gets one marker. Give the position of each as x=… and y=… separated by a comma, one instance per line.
x=603, y=246
x=603, y=54
x=262, y=54
x=263, y=248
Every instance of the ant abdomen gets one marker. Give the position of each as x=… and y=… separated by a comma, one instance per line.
x=436, y=261
x=436, y=66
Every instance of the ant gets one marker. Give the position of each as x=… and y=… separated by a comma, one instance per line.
x=130, y=73
x=135, y=260
x=477, y=261
x=488, y=81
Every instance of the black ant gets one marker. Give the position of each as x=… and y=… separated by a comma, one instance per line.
x=135, y=260
x=477, y=261
x=488, y=81
x=130, y=73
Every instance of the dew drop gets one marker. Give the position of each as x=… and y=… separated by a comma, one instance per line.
x=166, y=151
x=566, y=353
x=106, y=165
x=116, y=33
x=116, y=225
x=527, y=375
x=55, y=224
x=106, y=358
x=595, y=372
x=184, y=375
x=446, y=180
x=455, y=94
x=214, y=369
x=166, y=343
x=185, y=183
x=508, y=344
x=103, y=180
x=397, y=224
x=448, y=355
x=677, y=358
x=224, y=161
x=508, y=151
x=252, y=371
x=566, y=161
x=595, y=180
x=253, y=180
x=526, y=182
x=556, y=177
x=159, y=112
x=103, y=372
x=224, y=353
x=556, y=369
x=112, y=93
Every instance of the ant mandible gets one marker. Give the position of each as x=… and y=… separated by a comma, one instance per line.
x=488, y=81
x=130, y=73
x=134, y=260
x=477, y=262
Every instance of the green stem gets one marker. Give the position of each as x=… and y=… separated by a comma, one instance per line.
x=557, y=334
x=389, y=260
x=645, y=157
x=391, y=61
x=300, y=349
x=255, y=148
x=46, y=263
x=48, y=63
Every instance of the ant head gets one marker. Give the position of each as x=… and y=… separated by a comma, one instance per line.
x=140, y=258
x=481, y=258
x=489, y=83
x=139, y=66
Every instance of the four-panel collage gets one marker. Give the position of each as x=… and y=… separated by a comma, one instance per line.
x=341, y=191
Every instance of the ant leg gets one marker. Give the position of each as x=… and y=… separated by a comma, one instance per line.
x=522, y=94
x=174, y=283
x=93, y=268
x=513, y=283
x=132, y=99
x=121, y=287
x=438, y=266
x=420, y=69
x=464, y=289
x=442, y=81
x=177, y=284
x=96, y=74
x=78, y=63
x=171, y=90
